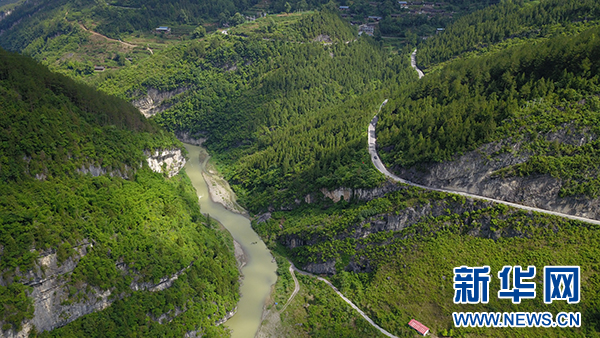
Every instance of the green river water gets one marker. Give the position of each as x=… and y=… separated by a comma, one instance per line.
x=259, y=272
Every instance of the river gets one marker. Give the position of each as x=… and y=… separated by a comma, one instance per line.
x=259, y=272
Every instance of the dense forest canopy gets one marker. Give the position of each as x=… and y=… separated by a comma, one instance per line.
x=396, y=275
x=287, y=117
x=284, y=105
x=506, y=20
x=51, y=129
x=522, y=92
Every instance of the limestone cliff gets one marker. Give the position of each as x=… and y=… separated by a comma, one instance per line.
x=397, y=221
x=474, y=172
x=57, y=303
x=360, y=194
x=169, y=161
x=53, y=302
x=186, y=137
x=154, y=101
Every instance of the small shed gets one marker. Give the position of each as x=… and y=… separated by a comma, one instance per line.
x=422, y=329
x=344, y=8
x=99, y=68
x=163, y=29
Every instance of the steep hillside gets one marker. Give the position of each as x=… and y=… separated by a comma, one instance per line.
x=286, y=115
x=519, y=124
x=115, y=18
x=89, y=217
x=508, y=21
x=393, y=256
x=515, y=122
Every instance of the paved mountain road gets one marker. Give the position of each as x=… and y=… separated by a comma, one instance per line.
x=372, y=142
x=413, y=63
x=372, y=145
x=296, y=288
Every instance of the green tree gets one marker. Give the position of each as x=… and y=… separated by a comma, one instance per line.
x=199, y=32
x=237, y=19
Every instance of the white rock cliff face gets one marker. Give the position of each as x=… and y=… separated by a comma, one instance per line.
x=56, y=306
x=474, y=171
x=152, y=103
x=51, y=296
x=168, y=162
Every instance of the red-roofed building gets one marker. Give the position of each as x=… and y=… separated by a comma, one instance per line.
x=422, y=329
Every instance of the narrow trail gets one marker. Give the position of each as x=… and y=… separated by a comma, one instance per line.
x=413, y=63
x=372, y=142
x=297, y=288
x=105, y=37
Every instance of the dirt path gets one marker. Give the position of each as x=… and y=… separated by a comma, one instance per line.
x=106, y=37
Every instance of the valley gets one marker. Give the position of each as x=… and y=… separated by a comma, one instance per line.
x=329, y=179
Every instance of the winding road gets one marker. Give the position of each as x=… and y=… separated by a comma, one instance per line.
x=297, y=288
x=372, y=141
x=372, y=145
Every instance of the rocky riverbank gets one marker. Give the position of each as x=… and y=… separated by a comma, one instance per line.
x=218, y=187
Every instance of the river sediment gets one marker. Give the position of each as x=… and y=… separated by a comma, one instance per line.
x=259, y=270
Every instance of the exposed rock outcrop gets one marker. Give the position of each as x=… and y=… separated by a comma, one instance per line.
x=168, y=162
x=198, y=333
x=164, y=283
x=474, y=171
x=54, y=305
x=153, y=102
x=99, y=171
x=397, y=221
x=57, y=302
x=185, y=137
x=360, y=194
x=327, y=268
x=228, y=315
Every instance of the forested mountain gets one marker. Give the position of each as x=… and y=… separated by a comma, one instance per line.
x=283, y=103
x=529, y=105
x=522, y=93
x=508, y=20
x=287, y=117
x=114, y=18
x=82, y=214
x=394, y=257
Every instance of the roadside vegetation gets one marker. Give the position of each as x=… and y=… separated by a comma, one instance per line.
x=395, y=276
x=522, y=93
